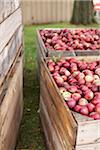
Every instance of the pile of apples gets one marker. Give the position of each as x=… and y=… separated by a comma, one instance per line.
x=69, y=40
x=79, y=84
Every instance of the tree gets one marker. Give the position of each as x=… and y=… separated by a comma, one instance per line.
x=83, y=12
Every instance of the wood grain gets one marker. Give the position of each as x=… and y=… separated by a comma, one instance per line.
x=54, y=118
x=9, y=52
x=11, y=109
x=9, y=27
x=7, y=7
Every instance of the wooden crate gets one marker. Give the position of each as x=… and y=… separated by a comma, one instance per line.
x=50, y=53
x=11, y=107
x=65, y=129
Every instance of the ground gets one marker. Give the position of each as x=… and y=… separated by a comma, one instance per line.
x=31, y=136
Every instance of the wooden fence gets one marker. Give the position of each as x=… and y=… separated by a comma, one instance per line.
x=46, y=11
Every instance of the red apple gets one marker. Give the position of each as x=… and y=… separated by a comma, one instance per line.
x=76, y=96
x=77, y=108
x=81, y=81
x=96, y=100
x=67, y=73
x=64, y=77
x=89, y=95
x=84, y=110
x=51, y=68
x=97, y=108
x=59, y=80
x=72, y=89
x=71, y=103
x=84, y=88
x=90, y=107
x=97, y=71
x=95, y=115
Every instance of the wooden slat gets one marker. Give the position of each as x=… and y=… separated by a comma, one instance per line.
x=89, y=147
x=41, y=43
x=51, y=137
x=7, y=7
x=88, y=132
x=64, y=113
x=54, y=117
x=10, y=25
x=11, y=109
x=9, y=52
x=5, y=79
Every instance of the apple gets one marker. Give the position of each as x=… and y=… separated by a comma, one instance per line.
x=66, y=95
x=72, y=89
x=67, y=73
x=95, y=101
x=97, y=82
x=97, y=108
x=76, y=96
x=97, y=94
x=89, y=78
x=75, y=73
x=66, y=65
x=96, y=77
x=87, y=72
x=64, y=77
x=90, y=107
x=94, y=88
x=89, y=95
x=59, y=80
x=84, y=88
x=81, y=81
x=71, y=103
x=77, y=108
x=82, y=102
x=84, y=110
x=62, y=90
x=97, y=71
x=95, y=115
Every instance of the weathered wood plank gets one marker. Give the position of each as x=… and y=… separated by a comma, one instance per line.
x=9, y=52
x=54, y=117
x=7, y=7
x=89, y=147
x=4, y=80
x=51, y=137
x=10, y=25
x=88, y=132
x=11, y=109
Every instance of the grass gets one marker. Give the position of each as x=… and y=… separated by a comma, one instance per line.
x=31, y=136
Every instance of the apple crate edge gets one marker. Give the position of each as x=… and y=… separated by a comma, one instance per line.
x=65, y=129
x=47, y=52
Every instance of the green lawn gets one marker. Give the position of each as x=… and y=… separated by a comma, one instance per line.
x=31, y=136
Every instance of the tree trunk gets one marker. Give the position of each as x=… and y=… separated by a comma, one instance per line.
x=83, y=12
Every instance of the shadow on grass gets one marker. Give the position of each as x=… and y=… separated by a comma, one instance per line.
x=31, y=136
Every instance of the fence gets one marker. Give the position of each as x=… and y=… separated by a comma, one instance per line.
x=46, y=11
